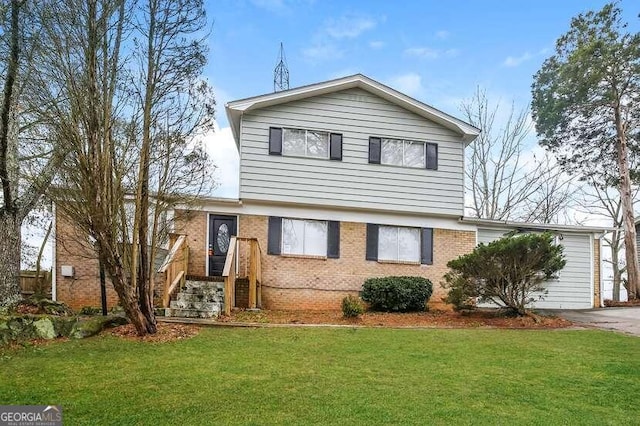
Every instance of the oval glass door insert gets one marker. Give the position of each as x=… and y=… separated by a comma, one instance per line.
x=223, y=238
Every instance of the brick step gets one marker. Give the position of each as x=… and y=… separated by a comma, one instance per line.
x=190, y=313
x=201, y=306
x=205, y=285
x=211, y=279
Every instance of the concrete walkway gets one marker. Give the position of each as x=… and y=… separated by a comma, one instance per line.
x=625, y=320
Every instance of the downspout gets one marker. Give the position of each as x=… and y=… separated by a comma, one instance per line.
x=54, y=266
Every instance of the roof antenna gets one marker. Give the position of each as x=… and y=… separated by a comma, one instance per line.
x=281, y=73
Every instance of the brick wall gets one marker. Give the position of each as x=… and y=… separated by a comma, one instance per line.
x=83, y=289
x=306, y=283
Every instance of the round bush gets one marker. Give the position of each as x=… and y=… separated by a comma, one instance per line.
x=397, y=294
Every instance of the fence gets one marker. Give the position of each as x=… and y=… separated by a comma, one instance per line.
x=29, y=283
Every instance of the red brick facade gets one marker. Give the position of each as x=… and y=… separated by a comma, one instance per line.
x=74, y=249
x=312, y=283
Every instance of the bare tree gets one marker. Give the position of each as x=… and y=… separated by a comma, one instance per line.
x=28, y=155
x=500, y=181
x=133, y=112
x=601, y=199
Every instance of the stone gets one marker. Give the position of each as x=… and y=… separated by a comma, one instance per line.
x=95, y=325
x=44, y=328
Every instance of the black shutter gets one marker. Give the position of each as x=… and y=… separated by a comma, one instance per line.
x=432, y=156
x=426, y=255
x=333, y=239
x=372, y=242
x=335, y=146
x=274, y=235
x=275, y=141
x=375, y=145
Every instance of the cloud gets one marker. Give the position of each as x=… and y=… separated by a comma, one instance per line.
x=221, y=147
x=451, y=53
x=377, y=44
x=442, y=34
x=322, y=52
x=409, y=83
x=348, y=26
x=274, y=6
x=221, y=97
x=422, y=52
x=514, y=61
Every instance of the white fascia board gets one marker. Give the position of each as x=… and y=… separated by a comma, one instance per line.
x=328, y=213
x=235, y=109
x=504, y=224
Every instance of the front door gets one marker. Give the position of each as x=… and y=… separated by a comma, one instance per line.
x=221, y=229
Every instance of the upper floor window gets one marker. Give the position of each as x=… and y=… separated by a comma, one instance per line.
x=305, y=143
x=402, y=152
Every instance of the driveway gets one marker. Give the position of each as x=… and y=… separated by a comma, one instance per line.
x=625, y=320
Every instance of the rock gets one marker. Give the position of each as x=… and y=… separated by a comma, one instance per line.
x=44, y=328
x=95, y=325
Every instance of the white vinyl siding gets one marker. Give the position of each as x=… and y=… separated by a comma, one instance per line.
x=573, y=288
x=352, y=182
x=304, y=237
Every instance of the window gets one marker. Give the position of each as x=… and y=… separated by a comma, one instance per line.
x=303, y=237
x=400, y=152
x=305, y=143
x=399, y=244
x=306, y=237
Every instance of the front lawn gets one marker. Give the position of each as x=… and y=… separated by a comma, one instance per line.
x=334, y=376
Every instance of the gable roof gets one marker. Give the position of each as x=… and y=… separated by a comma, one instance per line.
x=235, y=109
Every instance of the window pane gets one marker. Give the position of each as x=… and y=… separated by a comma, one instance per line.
x=391, y=152
x=388, y=243
x=413, y=154
x=293, y=142
x=315, y=238
x=317, y=144
x=409, y=244
x=292, y=236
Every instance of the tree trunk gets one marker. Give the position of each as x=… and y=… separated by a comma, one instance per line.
x=615, y=265
x=144, y=322
x=628, y=219
x=9, y=260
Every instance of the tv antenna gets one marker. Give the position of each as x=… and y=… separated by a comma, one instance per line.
x=281, y=73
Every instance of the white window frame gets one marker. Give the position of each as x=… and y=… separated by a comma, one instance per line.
x=404, y=142
x=306, y=143
x=304, y=238
x=397, y=257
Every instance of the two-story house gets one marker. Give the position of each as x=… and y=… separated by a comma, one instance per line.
x=345, y=180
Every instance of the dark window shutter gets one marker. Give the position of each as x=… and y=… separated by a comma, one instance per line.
x=375, y=145
x=275, y=235
x=426, y=255
x=333, y=239
x=335, y=146
x=372, y=242
x=432, y=156
x=275, y=141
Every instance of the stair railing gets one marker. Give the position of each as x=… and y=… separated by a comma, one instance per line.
x=253, y=271
x=175, y=266
x=229, y=275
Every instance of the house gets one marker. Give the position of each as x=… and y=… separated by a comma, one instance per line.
x=340, y=181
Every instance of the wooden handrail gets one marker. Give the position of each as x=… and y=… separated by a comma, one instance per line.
x=175, y=266
x=229, y=274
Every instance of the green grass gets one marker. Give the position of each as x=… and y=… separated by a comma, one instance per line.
x=335, y=376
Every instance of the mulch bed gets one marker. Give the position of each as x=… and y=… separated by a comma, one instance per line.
x=166, y=332
x=612, y=304
x=434, y=318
